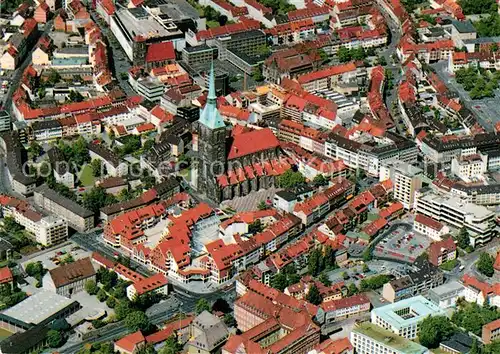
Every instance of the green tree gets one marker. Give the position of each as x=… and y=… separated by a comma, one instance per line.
x=344, y=54
x=172, y=346
x=352, y=289
x=290, y=179
x=54, y=77
x=75, y=96
x=229, y=320
x=97, y=198
x=54, y=338
x=111, y=302
x=279, y=281
x=485, y=264
x=202, y=305
x=34, y=150
x=101, y=295
x=67, y=259
x=320, y=180
x=146, y=349
x=434, y=330
x=366, y=268
x=313, y=295
x=91, y=287
x=257, y=74
x=34, y=269
x=463, y=238
x=315, y=262
x=122, y=309
x=324, y=279
x=97, y=167
x=137, y=320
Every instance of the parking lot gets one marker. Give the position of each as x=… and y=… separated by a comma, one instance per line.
x=402, y=243
x=52, y=259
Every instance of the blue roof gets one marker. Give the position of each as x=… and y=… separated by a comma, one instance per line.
x=210, y=116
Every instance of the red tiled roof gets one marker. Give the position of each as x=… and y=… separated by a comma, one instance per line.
x=130, y=342
x=429, y=222
x=252, y=142
x=160, y=52
x=351, y=301
x=149, y=284
x=5, y=275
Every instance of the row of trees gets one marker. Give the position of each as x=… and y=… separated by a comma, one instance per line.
x=320, y=260
x=344, y=54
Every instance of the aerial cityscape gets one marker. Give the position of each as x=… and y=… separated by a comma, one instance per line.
x=250, y=176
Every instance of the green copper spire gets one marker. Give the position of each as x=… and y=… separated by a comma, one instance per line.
x=210, y=115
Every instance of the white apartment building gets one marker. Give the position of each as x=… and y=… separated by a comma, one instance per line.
x=479, y=220
x=407, y=179
x=368, y=338
x=46, y=230
x=470, y=166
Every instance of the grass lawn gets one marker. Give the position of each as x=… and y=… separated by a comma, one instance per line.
x=450, y=265
x=87, y=178
x=212, y=24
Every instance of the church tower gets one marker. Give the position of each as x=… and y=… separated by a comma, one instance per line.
x=212, y=156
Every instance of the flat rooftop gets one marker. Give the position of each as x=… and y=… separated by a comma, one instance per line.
x=416, y=309
x=456, y=203
x=38, y=307
x=137, y=22
x=389, y=339
x=447, y=288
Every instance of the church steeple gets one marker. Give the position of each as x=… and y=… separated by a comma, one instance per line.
x=210, y=115
x=212, y=97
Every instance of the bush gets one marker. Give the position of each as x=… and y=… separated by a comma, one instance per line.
x=101, y=295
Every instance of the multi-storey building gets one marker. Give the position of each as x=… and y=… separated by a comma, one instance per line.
x=249, y=43
x=336, y=310
x=368, y=338
x=367, y=156
x=46, y=230
x=77, y=216
x=407, y=179
x=479, y=221
x=70, y=278
x=470, y=166
x=442, y=251
x=415, y=283
x=446, y=295
x=200, y=54
x=404, y=317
